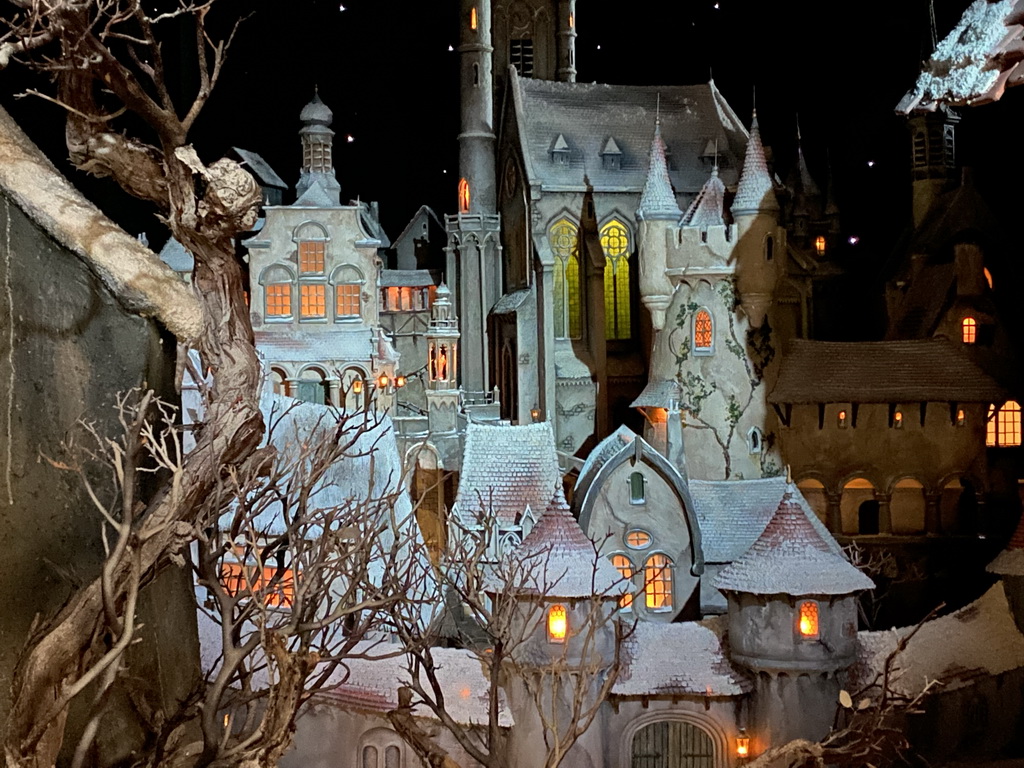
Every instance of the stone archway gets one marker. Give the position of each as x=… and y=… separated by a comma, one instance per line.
x=814, y=492
x=908, y=506
x=858, y=497
x=672, y=744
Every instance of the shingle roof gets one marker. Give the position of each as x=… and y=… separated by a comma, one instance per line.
x=301, y=347
x=755, y=191
x=588, y=113
x=980, y=639
x=734, y=513
x=174, y=255
x=507, y=469
x=567, y=563
x=657, y=394
x=921, y=370
x=707, y=209
x=1010, y=562
x=679, y=659
x=981, y=57
x=408, y=277
x=260, y=168
x=604, y=451
x=658, y=201
x=791, y=558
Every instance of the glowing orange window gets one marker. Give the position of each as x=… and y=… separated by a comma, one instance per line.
x=472, y=19
x=703, y=331
x=625, y=569
x=311, y=256
x=807, y=623
x=314, y=300
x=558, y=623
x=347, y=300
x=277, y=589
x=1008, y=424
x=819, y=245
x=463, y=196
x=279, y=300
x=658, y=583
x=969, y=330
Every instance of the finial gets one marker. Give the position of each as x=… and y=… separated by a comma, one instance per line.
x=753, y=98
x=934, y=28
x=657, y=113
x=316, y=89
x=789, y=474
x=715, y=169
x=711, y=74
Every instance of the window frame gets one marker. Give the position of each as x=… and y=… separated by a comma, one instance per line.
x=1003, y=428
x=659, y=574
x=641, y=532
x=814, y=608
x=708, y=349
x=627, y=570
x=347, y=275
x=637, y=499
x=618, y=293
x=969, y=330
x=566, y=283
x=277, y=276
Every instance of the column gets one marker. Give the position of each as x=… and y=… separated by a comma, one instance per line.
x=834, y=517
x=884, y=512
x=932, y=514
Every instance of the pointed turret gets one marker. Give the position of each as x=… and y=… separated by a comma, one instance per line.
x=317, y=183
x=658, y=201
x=755, y=192
x=708, y=208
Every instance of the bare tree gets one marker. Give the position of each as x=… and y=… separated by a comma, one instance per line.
x=499, y=608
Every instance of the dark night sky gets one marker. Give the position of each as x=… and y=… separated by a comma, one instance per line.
x=386, y=71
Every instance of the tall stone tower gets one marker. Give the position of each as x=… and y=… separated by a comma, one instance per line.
x=537, y=37
x=442, y=362
x=933, y=157
x=317, y=182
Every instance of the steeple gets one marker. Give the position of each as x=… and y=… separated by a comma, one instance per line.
x=317, y=185
x=755, y=191
x=807, y=192
x=708, y=208
x=658, y=201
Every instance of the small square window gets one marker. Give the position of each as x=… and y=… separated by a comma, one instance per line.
x=279, y=300
x=314, y=300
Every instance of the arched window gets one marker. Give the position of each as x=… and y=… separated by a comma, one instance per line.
x=463, y=196
x=658, y=582
x=278, y=379
x=312, y=245
x=277, y=282
x=565, y=245
x=625, y=568
x=615, y=243
x=637, y=488
x=472, y=18
x=703, y=333
x=558, y=623
x=1004, y=425
x=819, y=245
x=969, y=330
x=672, y=744
x=392, y=757
x=348, y=289
x=370, y=757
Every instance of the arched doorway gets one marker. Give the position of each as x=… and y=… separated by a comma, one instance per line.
x=908, y=506
x=672, y=744
x=814, y=491
x=312, y=386
x=857, y=493
x=279, y=381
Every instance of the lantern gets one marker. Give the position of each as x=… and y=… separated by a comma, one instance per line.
x=400, y=382
x=742, y=744
x=383, y=381
x=357, y=386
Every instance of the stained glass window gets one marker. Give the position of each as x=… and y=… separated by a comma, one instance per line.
x=565, y=245
x=617, y=318
x=703, y=331
x=969, y=330
x=658, y=582
x=279, y=300
x=807, y=622
x=314, y=300
x=311, y=256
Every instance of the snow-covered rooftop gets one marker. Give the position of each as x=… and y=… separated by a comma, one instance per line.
x=675, y=659
x=707, y=209
x=791, y=558
x=976, y=62
x=979, y=639
x=755, y=191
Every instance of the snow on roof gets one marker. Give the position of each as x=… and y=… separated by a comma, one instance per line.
x=755, y=192
x=658, y=201
x=174, y=255
x=733, y=514
x=288, y=345
x=675, y=659
x=129, y=270
x=601, y=454
x=260, y=168
x=955, y=649
x=708, y=207
x=976, y=62
x=567, y=562
x=1010, y=562
x=657, y=394
x=791, y=558
x=507, y=470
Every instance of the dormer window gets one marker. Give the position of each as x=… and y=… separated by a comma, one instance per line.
x=560, y=150
x=807, y=620
x=969, y=330
x=611, y=155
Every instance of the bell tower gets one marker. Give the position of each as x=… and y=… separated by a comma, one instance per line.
x=442, y=359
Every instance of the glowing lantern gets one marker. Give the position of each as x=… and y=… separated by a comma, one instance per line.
x=558, y=623
x=808, y=621
x=742, y=744
x=383, y=381
x=357, y=386
x=400, y=382
x=819, y=245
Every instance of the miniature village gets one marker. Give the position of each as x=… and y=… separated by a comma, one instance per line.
x=601, y=368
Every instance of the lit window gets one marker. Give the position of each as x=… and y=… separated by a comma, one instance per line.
x=463, y=196
x=314, y=300
x=564, y=238
x=988, y=278
x=819, y=245
x=625, y=569
x=615, y=242
x=1004, y=428
x=703, y=332
x=658, y=583
x=638, y=539
x=841, y=420
x=572, y=21
x=472, y=19
x=558, y=623
x=807, y=621
x=897, y=419
x=637, y=490
x=346, y=299
x=969, y=330
x=277, y=587
x=961, y=417
x=311, y=257
x=279, y=300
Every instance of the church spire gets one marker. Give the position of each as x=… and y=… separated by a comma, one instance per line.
x=708, y=208
x=658, y=201
x=317, y=182
x=756, y=191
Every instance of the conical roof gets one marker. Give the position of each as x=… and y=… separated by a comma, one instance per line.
x=791, y=558
x=1010, y=562
x=708, y=208
x=316, y=112
x=567, y=563
x=755, y=192
x=658, y=201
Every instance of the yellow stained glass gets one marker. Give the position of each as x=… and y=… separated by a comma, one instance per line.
x=314, y=300
x=617, y=317
x=311, y=256
x=969, y=330
x=568, y=320
x=347, y=300
x=703, y=331
x=658, y=582
x=279, y=300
